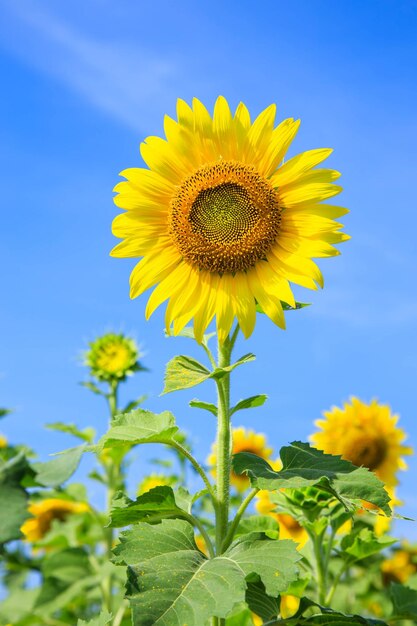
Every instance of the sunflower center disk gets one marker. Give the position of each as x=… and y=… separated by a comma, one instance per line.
x=368, y=452
x=225, y=217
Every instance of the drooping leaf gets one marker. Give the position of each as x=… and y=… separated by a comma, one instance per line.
x=260, y=603
x=249, y=403
x=207, y=406
x=171, y=582
x=275, y=562
x=139, y=426
x=101, y=620
x=57, y=471
x=303, y=465
x=4, y=412
x=404, y=601
x=87, y=434
x=156, y=504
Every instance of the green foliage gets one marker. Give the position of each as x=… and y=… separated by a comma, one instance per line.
x=87, y=434
x=101, y=620
x=152, y=506
x=303, y=465
x=13, y=497
x=171, y=581
x=249, y=403
x=364, y=543
x=183, y=372
x=139, y=426
x=404, y=601
x=207, y=406
x=57, y=471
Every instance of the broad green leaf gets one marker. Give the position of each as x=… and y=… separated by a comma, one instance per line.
x=183, y=372
x=87, y=434
x=17, y=605
x=404, y=601
x=275, y=562
x=101, y=620
x=303, y=465
x=329, y=617
x=13, y=511
x=55, y=594
x=60, y=469
x=4, y=412
x=152, y=506
x=207, y=406
x=171, y=582
x=13, y=497
x=258, y=523
x=260, y=602
x=357, y=546
x=67, y=565
x=139, y=426
x=249, y=403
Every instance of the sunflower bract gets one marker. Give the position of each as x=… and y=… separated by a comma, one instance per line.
x=221, y=223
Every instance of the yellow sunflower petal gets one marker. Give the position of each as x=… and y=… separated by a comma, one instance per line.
x=299, y=165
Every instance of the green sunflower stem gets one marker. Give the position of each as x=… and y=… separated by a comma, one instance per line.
x=113, y=481
x=224, y=445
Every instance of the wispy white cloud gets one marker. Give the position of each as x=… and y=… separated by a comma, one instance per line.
x=121, y=78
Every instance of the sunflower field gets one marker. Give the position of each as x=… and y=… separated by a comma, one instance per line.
x=195, y=504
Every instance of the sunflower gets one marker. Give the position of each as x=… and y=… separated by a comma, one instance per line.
x=400, y=566
x=45, y=512
x=221, y=223
x=243, y=441
x=365, y=434
x=112, y=357
x=289, y=528
x=3, y=441
x=155, y=480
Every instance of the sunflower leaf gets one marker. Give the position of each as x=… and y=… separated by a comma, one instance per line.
x=249, y=403
x=101, y=620
x=183, y=372
x=404, y=601
x=87, y=434
x=139, y=426
x=303, y=465
x=156, y=504
x=357, y=546
x=275, y=562
x=220, y=372
x=207, y=406
x=171, y=581
x=57, y=471
x=261, y=603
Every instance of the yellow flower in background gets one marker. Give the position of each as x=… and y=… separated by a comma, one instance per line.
x=365, y=434
x=220, y=222
x=400, y=566
x=3, y=441
x=289, y=606
x=243, y=441
x=289, y=528
x=155, y=480
x=45, y=512
x=112, y=357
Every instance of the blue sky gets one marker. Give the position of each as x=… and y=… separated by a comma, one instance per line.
x=84, y=82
